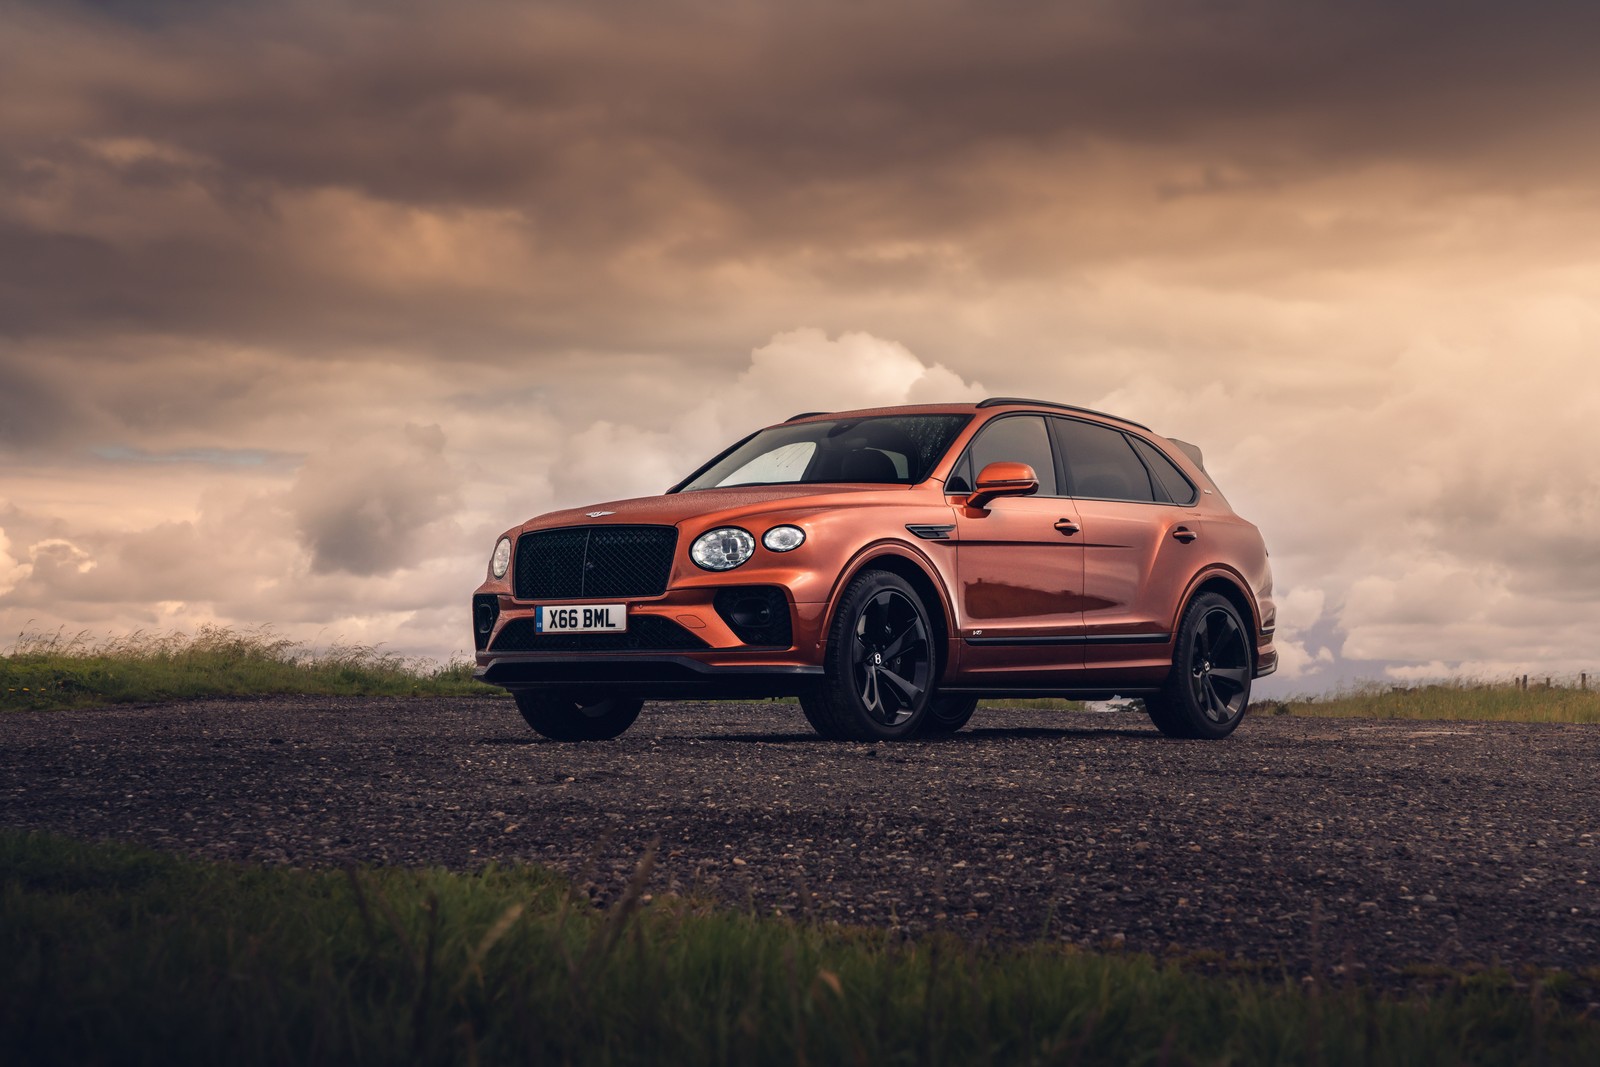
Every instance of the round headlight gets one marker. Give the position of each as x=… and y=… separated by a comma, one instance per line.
x=784, y=538
x=722, y=549
x=501, y=558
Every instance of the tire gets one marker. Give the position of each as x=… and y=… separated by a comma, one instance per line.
x=947, y=714
x=878, y=670
x=1206, y=694
x=811, y=705
x=568, y=719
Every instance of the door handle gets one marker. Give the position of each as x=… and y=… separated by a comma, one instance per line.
x=1184, y=534
x=1067, y=527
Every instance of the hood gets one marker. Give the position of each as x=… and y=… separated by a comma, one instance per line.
x=729, y=503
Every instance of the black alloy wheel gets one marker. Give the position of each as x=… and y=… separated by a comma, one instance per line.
x=1206, y=694
x=889, y=657
x=567, y=718
x=879, y=667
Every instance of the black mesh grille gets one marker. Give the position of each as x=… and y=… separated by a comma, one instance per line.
x=757, y=614
x=646, y=633
x=595, y=561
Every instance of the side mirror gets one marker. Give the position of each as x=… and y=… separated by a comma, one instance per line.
x=1003, y=479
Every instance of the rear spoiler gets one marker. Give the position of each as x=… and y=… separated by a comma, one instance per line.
x=1192, y=451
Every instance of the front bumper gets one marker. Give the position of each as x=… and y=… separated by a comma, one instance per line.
x=684, y=643
x=1266, y=658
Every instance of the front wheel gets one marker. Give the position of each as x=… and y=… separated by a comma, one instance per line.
x=568, y=719
x=1206, y=693
x=879, y=667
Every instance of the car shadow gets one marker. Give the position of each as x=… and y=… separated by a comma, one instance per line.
x=997, y=733
x=1053, y=732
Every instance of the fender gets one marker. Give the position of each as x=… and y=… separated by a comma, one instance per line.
x=876, y=550
x=1218, y=570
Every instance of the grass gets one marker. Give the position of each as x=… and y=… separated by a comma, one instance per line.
x=51, y=670
x=1458, y=700
x=44, y=671
x=116, y=955
x=1033, y=703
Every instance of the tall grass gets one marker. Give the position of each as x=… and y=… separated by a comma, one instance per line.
x=1461, y=699
x=1033, y=703
x=116, y=955
x=52, y=670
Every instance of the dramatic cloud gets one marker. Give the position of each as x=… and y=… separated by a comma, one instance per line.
x=301, y=303
x=795, y=371
x=362, y=506
x=11, y=571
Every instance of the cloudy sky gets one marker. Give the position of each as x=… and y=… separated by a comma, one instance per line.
x=301, y=303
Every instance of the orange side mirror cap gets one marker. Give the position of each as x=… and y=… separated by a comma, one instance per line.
x=1003, y=479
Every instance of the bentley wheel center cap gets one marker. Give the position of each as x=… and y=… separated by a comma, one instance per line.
x=877, y=659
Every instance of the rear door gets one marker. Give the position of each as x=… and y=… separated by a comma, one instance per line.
x=1141, y=540
x=1019, y=563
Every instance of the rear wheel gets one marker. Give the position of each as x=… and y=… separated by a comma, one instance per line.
x=878, y=670
x=947, y=714
x=565, y=718
x=1206, y=693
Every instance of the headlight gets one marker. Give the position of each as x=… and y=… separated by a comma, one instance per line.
x=501, y=558
x=722, y=549
x=784, y=538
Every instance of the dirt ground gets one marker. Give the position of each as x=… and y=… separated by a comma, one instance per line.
x=1371, y=848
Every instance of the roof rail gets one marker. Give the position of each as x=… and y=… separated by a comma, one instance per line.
x=806, y=415
x=997, y=401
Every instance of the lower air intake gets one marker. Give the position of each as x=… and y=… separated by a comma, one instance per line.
x=645, y=633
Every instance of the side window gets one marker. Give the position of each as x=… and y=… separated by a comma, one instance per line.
x=1101, y=464
x=1166, y=473
x=960, y=480
x=1017, y=439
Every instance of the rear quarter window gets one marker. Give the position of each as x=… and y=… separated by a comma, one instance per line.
x=1167, y=477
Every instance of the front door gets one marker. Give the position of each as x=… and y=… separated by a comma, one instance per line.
x=1019, y=566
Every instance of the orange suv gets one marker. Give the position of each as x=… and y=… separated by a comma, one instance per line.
x=889, y=567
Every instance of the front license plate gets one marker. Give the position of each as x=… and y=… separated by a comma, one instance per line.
x=581, y=619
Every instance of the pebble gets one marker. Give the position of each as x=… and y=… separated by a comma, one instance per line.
x=1279, y=845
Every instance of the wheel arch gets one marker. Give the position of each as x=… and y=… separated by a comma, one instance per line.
x=1231, y=588
x=918, y=573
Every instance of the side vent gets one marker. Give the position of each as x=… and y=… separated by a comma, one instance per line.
x=932, y=533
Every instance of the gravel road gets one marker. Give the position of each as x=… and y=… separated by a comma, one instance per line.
x=1360, y=846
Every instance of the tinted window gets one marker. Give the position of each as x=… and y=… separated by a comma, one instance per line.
x=1168, y=478
x=1019, y=439
x=1101, y=464
x=894, y=448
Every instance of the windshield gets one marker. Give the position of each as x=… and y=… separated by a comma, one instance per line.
x=895, y=449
